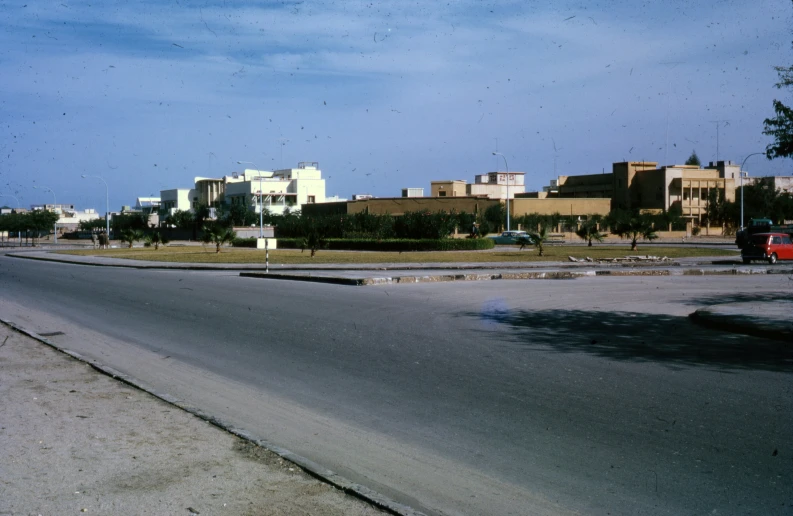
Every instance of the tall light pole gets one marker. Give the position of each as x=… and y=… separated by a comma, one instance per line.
x=107, y=203
x=741, y=173
x=507, y=167
x=54, y=207
x=261, y=197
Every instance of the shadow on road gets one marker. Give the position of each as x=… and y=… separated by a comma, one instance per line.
x=742, y=297
x=638, y=337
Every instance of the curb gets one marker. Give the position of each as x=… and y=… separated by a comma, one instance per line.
x=310, y=467
x=528, y=275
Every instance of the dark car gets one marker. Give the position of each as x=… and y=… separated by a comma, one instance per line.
x=768, y=246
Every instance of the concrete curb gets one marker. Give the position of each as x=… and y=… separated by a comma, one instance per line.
x=525, y=275
x=312, y=468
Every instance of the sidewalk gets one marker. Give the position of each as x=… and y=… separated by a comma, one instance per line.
x=76, y=441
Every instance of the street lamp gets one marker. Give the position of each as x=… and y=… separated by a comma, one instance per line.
x=741, y=173
x=54, y=207
x=507, y=167
x=261, y=197
x=107, y=204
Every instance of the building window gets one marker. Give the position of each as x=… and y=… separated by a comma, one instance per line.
x=311, y=199
x=441, y=194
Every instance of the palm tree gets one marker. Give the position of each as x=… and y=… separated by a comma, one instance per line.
x=218, y=235
x=539, y=238
x=589, y=231
x=131, y=236
x=634, y=228
x=155, y=239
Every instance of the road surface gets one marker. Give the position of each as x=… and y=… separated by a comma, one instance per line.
x=594, y=395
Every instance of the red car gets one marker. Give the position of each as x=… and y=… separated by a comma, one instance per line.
x=768, y=246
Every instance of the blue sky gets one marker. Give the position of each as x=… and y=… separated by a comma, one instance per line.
x=384, y=95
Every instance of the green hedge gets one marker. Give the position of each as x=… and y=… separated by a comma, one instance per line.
x=243, y=242
x=361, y=244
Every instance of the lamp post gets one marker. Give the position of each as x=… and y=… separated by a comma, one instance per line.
x=261, y=197
x=741, y=173
x=507, y=167
x=54, y=205
x=107, y=204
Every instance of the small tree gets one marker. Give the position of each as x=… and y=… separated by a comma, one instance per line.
x=694, y=159
x=539, y=238
x=634, y=228
x=313, y=241
x=218, y=235
x=130, y=236
x=155, y=239
x=589, y=231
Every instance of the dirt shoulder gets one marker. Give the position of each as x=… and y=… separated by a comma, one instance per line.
x=76, y=441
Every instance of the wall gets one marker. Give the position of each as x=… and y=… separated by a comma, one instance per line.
x=400, y=205
x=562, y=206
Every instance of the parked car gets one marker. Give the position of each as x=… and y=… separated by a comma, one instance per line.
x=512, y=237
x=768, y=246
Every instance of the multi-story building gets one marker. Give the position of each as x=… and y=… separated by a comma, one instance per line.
x=279, y=190
x=645, y=186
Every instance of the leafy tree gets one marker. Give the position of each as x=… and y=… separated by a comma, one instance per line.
x=89, y=225
x=780, y=127
x=217, y=234
x=632, y=226
x=694, y=159
x=589, y=231
x=124, y=221
x=182, y=219
x=539, y=238
x=130, y=236
x=495, y=216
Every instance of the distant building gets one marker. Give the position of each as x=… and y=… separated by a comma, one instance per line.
x=412, y=192
x=493, y=185
x=780, y=183
x=645, y=186
x=448, y=188
x=362, y=197
x=178, y=199
x=279, y=190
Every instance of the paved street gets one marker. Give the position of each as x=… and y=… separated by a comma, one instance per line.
x=595, y=395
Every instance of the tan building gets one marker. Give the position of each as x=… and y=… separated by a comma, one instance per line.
x=642, y=185
x=450, y=188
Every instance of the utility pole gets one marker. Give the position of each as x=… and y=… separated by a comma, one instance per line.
x=718, y=123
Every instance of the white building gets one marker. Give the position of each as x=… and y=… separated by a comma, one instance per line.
x=183, y=199
x=497, y=185
x=281, y=189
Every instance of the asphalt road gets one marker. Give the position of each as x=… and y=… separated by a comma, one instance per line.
x=594, y=395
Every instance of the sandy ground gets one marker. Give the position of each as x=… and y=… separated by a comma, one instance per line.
x=75, y=441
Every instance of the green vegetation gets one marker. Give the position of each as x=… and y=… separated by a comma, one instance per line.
x=780, y=127
x=198, y=254
x=694, y=159
x=589, y=231
x=538, y=239
x=218, y=235
x=632, y=226
x=130, y=236
x=33, y=222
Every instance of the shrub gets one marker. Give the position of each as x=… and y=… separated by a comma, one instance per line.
x=243, y=242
